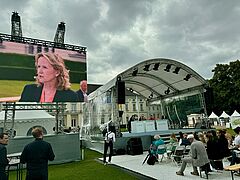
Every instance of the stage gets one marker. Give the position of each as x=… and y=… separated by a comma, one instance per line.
x=146, y=138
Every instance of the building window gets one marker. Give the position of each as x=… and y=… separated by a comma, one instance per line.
x=153, y=108
x=141, y=107
x=73, y=123
x=73, y=107
x=134, y=107
x=127, y=108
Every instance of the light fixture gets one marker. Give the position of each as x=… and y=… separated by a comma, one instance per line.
x=176, y=71
x=134, y=73
x=146, y=68
x=188, y=76
x=156, y=66
x=119, y=78
x=151, y=95
x=167, y=91
x=168, y=67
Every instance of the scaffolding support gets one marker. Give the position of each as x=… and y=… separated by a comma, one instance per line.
x=10, y=109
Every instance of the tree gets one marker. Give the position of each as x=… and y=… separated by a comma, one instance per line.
x=226, y=87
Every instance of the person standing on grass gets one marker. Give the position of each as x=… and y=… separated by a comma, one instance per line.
x=36, y=154
x=108, y=142
x=3, y=155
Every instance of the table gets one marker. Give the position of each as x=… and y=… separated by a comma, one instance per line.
x=14, y=160
x=232, y=168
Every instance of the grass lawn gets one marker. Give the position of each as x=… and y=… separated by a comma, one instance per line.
x=11, y=88
x=88, y=168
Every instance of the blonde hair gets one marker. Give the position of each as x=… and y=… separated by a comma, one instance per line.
x=157, y=137
x=63, y=82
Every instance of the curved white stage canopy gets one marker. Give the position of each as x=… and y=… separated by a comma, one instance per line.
x=158, y=79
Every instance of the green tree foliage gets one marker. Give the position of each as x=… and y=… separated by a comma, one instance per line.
x=226, y=87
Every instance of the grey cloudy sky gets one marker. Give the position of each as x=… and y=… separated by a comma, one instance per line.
x=121, y=33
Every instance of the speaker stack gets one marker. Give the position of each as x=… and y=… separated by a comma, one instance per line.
x=120, y=86
x=134, y=146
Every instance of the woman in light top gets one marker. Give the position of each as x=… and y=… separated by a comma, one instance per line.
x=52, y=81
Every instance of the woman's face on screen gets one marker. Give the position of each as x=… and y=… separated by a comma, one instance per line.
x=46, y=73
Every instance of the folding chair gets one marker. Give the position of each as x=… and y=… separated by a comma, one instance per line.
x=187, y=150
x=171, y=148
x=178, y=155
x=161, y=150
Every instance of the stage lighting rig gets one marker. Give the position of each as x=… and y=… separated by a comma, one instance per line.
x=168, y=67
x=134, y=73
x=146, y=68
x=151, y=95
x=167, y=91
x=176, y=71
x=188, y=76
x=156, y=66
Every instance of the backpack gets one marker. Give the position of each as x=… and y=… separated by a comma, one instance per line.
x=153, y=147
x=108, y=139
x=151, y=159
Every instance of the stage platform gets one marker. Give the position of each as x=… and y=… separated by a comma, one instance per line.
x=146, y=138
x=164, y=170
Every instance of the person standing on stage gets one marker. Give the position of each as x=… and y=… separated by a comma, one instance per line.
x=108, y=142
x=3, y=155
x=82, y=92
x=36, y=154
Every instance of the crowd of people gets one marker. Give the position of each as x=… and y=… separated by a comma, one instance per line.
x=207, y=149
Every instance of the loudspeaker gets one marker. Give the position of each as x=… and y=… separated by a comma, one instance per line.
x=134, y=146
x=208, y=95
x=209, y=100
x=120, y=86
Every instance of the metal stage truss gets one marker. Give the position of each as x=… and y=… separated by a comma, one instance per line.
x=57, y=109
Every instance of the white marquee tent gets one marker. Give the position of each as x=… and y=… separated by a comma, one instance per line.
x=235, y=114
x=224, y=115
x=26, y=120
x=213, y=116
x=235, y=119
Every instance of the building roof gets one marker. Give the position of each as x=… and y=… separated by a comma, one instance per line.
x=93, y=87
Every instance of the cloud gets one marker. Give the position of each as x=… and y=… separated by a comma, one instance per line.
x=120, y=34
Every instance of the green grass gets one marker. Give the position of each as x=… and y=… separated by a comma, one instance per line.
x=89, y=168
x=11, y=88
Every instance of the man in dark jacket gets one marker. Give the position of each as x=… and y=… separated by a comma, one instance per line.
x=82, y=92
x=3, y=155
x=36, y=154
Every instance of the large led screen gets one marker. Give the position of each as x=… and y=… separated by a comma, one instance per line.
x=17, y=65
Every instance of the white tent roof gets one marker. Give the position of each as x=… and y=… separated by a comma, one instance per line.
x=28, y=115
x=159, y=78
x=224, y=115
x=213, y=116
x=235, y=114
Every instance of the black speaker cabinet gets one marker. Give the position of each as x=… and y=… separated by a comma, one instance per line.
x=120, y=86
x=134, y=146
